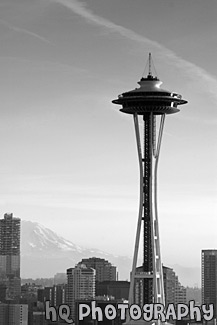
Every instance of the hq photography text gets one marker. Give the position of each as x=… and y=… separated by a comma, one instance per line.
x=149, y=312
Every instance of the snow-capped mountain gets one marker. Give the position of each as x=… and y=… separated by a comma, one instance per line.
x=36, y=239
x=44, y=253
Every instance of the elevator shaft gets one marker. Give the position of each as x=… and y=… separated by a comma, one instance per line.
x=149, y=130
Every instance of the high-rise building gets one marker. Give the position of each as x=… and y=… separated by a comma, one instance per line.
x=80, y=285
x=180, y=292
x=105, y=271
x=174, y=292
x=209, y=277
x=10, y=255
x=55, y=294
x=13, y=314
x=149, y=102
x=169, y=277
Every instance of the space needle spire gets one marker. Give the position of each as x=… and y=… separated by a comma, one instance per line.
x=149, y=64
x=149, y=103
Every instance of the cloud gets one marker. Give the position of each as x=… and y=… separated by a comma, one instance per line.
x=81, y=9
x=24, y=31
x=192, y=71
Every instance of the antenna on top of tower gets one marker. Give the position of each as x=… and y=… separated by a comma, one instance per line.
x=150, y=67
x=149, y=64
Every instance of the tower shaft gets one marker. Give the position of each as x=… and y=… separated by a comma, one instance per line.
x=147, y=206
x=150, y=274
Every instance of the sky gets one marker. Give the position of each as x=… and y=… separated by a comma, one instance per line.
x=68, y=156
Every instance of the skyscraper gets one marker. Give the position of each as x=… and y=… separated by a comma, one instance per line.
x=80, y=285
x=10, y=255
x=209, y=277
x=174, y=292
x=148, y=101
x=13, y=314
x=105, y=271
x=169, y=285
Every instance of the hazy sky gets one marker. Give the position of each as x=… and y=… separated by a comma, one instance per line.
x=68, y=156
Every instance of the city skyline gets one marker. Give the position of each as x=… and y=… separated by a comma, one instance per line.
x=68, y=156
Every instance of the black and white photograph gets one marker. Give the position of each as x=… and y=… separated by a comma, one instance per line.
x=108, y=162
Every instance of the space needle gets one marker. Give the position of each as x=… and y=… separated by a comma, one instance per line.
x=149, y=103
